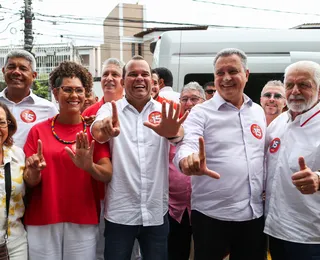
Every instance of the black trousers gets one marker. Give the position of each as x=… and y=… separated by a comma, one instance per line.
x=285, y=250
x=179, y=238
x=214, y=238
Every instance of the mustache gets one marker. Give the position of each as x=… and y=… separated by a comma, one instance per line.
x=297, y=97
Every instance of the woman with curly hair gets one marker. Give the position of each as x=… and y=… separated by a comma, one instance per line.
x=63, y=207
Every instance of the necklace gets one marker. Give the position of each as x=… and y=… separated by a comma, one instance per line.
x=61, y=140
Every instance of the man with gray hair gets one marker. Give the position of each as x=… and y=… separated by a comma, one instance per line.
x=225, y=138
x=292, y=191
x=272, y=99
x=28, y=109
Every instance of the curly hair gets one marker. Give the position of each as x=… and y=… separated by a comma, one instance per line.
x=12, y=125
x=70, y=69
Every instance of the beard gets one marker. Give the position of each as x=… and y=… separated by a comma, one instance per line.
x=299, y=107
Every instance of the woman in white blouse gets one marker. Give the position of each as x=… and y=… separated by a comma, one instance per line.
x=15, y=234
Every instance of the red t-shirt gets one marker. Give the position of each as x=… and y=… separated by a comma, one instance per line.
x=66, y=193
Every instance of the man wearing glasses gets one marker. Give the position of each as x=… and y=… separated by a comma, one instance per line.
x=273, y=99
x=210, y=89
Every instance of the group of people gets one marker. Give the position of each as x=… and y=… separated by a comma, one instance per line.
x=140, y=172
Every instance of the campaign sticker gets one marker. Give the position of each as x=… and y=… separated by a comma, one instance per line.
x=155, y=117
x=256, y=131
x=274, y=145
x=28, y=116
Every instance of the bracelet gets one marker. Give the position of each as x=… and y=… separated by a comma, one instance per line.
x=172, y=138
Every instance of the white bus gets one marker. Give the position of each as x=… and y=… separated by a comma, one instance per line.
x=189, y=54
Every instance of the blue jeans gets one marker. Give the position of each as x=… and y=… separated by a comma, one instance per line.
x=153, y=241
x=285, y=250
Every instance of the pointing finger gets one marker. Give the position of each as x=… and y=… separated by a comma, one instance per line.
x=115, y=119
x=202, y=151
x=302, y=163
x=39, y=150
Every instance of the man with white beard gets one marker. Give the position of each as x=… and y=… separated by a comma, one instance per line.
x=292, y=192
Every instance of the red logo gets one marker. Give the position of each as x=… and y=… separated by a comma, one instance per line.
x=274, y=145
x=155, y=117
x=256, y=131
x=28, y=116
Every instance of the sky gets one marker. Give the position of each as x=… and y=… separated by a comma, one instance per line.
x=80, y=22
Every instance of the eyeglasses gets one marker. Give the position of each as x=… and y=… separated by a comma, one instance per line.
x=193, y=100
x=210, y=91
x=275, y=95
x=69, y=90
x=4, y=123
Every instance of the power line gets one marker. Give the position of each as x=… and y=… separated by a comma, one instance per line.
x=254, y=8
x=9, y=24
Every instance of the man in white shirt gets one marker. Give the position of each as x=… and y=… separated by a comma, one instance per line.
x=138, y=129
x=292, y=194
x=28, y=109
x=227, y=214
x=165, y=84
x=272, y=99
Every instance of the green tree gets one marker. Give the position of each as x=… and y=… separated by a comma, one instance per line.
x=41, y=89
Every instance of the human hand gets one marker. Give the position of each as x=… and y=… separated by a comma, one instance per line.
x=170, y=123
x=36, y=162
x=306, y=181
x=195, y=164
x=89, y=119
x=110, y=126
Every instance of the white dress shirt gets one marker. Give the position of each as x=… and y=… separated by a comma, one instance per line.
x=290, y=215
x=170, y=94
x=28, y=112
x=138, y=191
x=234, y=143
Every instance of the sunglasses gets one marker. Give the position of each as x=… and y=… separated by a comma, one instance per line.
x=275, y=95
x=210, y=91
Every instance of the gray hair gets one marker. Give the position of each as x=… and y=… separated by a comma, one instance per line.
x=21, y=54
x=113, y=61
x=311, y=66
x=231, y=51
x=193, y=85
x=273, y=83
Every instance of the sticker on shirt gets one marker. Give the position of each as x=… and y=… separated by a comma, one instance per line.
x=274, y=145
x=256, y=131
x=155, y=117
x=28, y=116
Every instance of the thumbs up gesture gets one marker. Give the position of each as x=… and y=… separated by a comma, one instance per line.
x=306, y=181
x=34, y=165
x=195, y=164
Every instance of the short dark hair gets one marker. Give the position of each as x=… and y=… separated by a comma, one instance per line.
x=210, y=83
x=12, y=125
x=166, y=75
x=136, y=57
x=70, y=69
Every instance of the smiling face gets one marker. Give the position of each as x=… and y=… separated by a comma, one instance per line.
x=18, y=75
x=70, y=95
x=3, y=130
x=301, y=90
x=273, y=100
x=230, y=79
x=155, y=85
x=111, y=83
x=137, y=82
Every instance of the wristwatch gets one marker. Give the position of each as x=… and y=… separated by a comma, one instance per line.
x=318, y=173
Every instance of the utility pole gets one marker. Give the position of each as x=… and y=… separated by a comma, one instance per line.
x=28, y=38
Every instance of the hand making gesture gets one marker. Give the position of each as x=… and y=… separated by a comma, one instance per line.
x=170, y=124
x=82, y=157
x=195, y=164
x=306, y=181
x=34, y=165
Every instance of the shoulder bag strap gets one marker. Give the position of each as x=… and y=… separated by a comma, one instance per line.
x=7, y=180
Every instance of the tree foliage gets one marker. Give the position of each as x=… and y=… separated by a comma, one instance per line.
x=41, y=89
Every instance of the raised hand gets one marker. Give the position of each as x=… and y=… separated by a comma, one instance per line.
x=195, y=164
x=170, y=123
x=34, y=165
x=82, y=157
x=306, y=181
x=36, y=162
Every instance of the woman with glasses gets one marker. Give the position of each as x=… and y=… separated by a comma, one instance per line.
x=12, y=232
x=63, y=203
